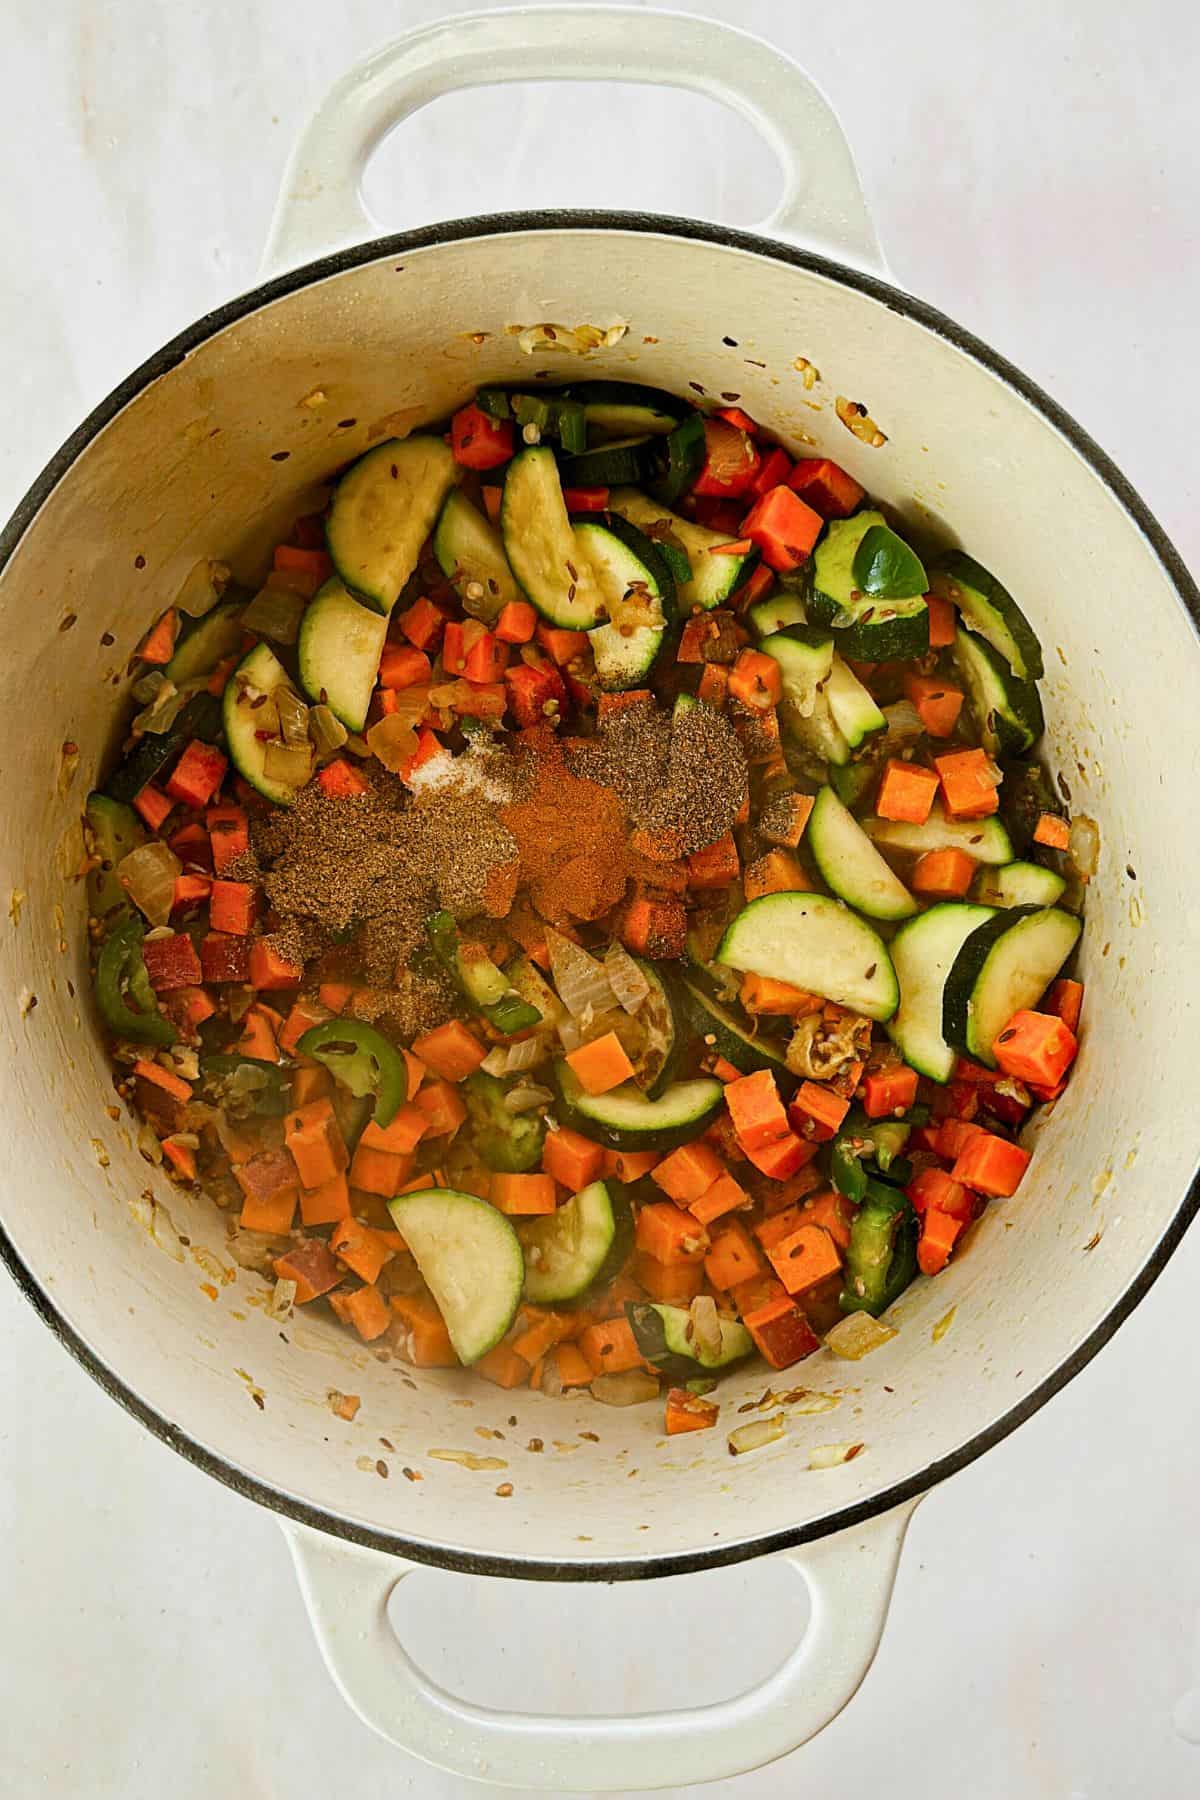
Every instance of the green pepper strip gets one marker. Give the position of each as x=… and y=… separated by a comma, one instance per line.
x=882, y=1257
x=508, y=1142
x=120, y=971
x=509, y=1013
x=363, y=1060
x=846, y=1170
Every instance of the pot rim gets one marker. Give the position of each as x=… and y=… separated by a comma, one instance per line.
x=628, y=1568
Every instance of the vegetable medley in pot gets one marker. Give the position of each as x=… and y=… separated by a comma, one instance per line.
x=594, y=915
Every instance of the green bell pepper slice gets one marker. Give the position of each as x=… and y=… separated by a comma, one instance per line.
x=507, y=1142
x=882, y=1256
x=120, y=978
x=363, y=1060
x=477, y=978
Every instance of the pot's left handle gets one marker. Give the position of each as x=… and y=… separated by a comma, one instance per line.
x=320, y=206
x=849, y=1576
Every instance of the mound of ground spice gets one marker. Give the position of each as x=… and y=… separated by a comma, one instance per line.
x=571, y=835
x=681, y=777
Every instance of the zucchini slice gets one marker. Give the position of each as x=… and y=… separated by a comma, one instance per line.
x=868, y=627
x=776, y=613
x=209, y=641
x=730, y=1037
x=553, y=572
x=854, y=711
x=664, y=1336
x=625, y=1119
x=923, y=952
x=804, y=654
x=1018, y=884
x=469, y=548
x=571, y=1250
x=338, y=651
x=1008, y=711
x=626, y=565
x=471, y=1259
x=622, y=409
x=713, y=578
x=850, y=864
x=655, y=1040
x=625, y=459
x=383, y=510
x=817, y=943
x=989, y=609
x=262, y=670
x=984, y=839
x=1004, y=966
x=819, y=734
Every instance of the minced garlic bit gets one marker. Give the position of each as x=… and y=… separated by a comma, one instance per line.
x=856, y=1336
x=468, y=1460
x=753, y=1437
x=830, y=1456
x=808, y=371
x=316, y=397
x=576, y=340
x=855, y=418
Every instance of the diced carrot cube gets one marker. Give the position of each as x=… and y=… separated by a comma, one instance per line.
x=630, y=1165
x=938, y=702
x=937, y=1189
x=229, y=834
x=816, y=1111
x=688, y=1172
x=783, y=527
x=600, y=1065
x=311, y=1266
x=574, y=1370
x=1049, y=830
x=197, y=775
x=991, y=1165
x=969, y=781
x=450, y=1050
x=610, y=1348
x=570, y=1158
x=939, y=1232
x=362, y=1249
x=781, y=1332
x=268, y=969
x=827, y=487
x=756, y=1110
x=943, y=621
x=421, y=1335
x=783, y=1156
x=669, y=1234
x=523, y=1195
x=517, y=623
x=784, y=819
x=906, y=792
x=688, y=1412
x=314, y=1139
x=365, y=1309
x=232, y=906
x=153, y=805
x=326, y=1204
x=714, y=685
x=732, y=1257
x=832, y=1212
x=340, y=780
x=671, y=1284
x=889, y=1092
x=943, y=874
x=540, y=1331
x=756, y=680
x=443, y=1107
x=777, y=999
x=654, y=927
x=777, y=872
x=379, y=1171
x=716, y=865
x=725, y=1195
x=403, y=666
x=401, y=1137
x=422, y=624
x=1064, y=998
x=335, y=994
x=1037, y=1047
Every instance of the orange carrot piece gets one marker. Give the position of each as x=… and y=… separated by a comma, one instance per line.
x=258, y=1035
x=401, y=1137
x=943, y=621
x=379, y=1171
x=732, y=1257
x=574, y=1370
x=311, y=1266
x=969, y=784
x=540, y=1331
x=305, y=1013
x=778, y=872
x=889, y=1091
x=805, y=1257
x=360, y=1247
x=181, y=1157
x=784, y=819
x=232, y=906
x=422, y=1338
x=816, y=1111
x=781, y=1332
x=365, y=1309
x=610, y=1348
x=158, y=645
x=630, y=1165
x=939, y=1233
x=450, y=1050
x=171, y=1084
x=326, y=1204
x=938, y=703
x=756, y=1110
x=756, y=680
x=523, y=1196
x=1052, y=831
x=714, y=686
x=907, y=792
x=715, y=866
x=561, y=645
x=725, y=1195
x=656, y=927
x=991, y=1165
x=784, y=527
x=503, y=1367
x=443, y=1107
x=671, y=1284
x=1064, y=998
x=314, y=1141
x=763, y=994
x=600, y=1065
x=272, y=1213
x=335, y=994
x=517, y=622
x=572, y=1159
x=688, y=1412
x=670, y=1235
x=1036, y=1047
x=688, y=1172
x=832, y=1212
x=943, y=874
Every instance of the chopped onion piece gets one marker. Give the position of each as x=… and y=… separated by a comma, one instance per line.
x=753, y=1437
x=569, y=1035
x=148, y=876
x=148, y=686
x=630, y=1387
x=283, y=1296
x=254, y=1250
x=326, y=730
x=856, y=1336
x=287, y=763
x=393, y=741
x=1084, y=847
x=526, y=1098
x=829, y=1456
x=293, y=717
x=579, y=978
x=203, y=586
x=165, y=705
x=627, y=981
x=496, y=1061
x=524, y=1055
x=903, y=722
x=704, y=1325
x=275, y=613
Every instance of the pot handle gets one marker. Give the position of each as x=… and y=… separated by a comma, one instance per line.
x=320, y=206
x=850, y=1578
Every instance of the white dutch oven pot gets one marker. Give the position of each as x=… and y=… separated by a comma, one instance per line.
x=209, y=448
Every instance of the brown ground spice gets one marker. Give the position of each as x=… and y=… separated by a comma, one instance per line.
x=570, y=834
x=680, y=778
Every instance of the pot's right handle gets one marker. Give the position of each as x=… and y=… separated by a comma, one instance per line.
x=320, y=206
x=849, y=1576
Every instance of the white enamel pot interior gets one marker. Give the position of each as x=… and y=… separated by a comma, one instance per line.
x=211, y=448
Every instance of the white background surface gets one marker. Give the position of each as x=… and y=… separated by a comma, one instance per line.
x=1033, y=169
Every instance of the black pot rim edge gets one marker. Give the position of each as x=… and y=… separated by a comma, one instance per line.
x=622, y=1568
